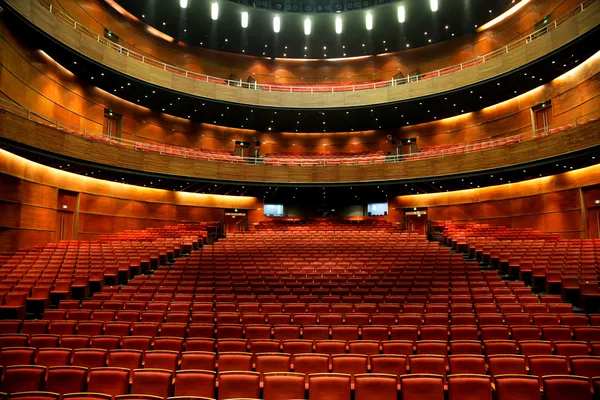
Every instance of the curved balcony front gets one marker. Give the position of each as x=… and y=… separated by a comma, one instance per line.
x=23, y=128
x=500, y=62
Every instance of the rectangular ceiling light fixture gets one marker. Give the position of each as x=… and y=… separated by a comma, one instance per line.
x=244, y=19
x=338, y=25
x=369, y=21
x=307, y=26
x=214, y=11
x=183, y=3
x=434, y=5
x=276, y=24
x=401, y=14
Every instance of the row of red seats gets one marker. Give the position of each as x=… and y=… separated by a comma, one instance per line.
x=61, y=381
x=307, y=363
x=310, y=332
x=34, y=279
x=565, y=267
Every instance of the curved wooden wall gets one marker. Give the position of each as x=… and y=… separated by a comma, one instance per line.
x=33, y=80
x=97, y=15
x=551, y=204
x=21, y=130
x=29, y=202
x=568, y=31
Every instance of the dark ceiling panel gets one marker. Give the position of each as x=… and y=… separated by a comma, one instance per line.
x=194, y=25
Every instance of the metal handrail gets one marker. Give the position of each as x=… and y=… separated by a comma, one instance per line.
x=208, y=155
x=317, y=88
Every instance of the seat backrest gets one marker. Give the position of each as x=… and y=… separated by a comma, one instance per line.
x=311, y=363
x=230, y=361
x=375, y=386
x=422, y=387
x=202, y=360
x=52, y=357
x=329, y=386
x=564, y=387
x=23, y=379
x=155, y=382
x=90, y=358
x=161, y=359
x=467, y=364
x=240, y=385
x=66, y=380
x=195, y=383
x=588, y=366
x=507, y=364
x=17, y=356
x=517, y=387
x=469, y=387
x=283, y=385
x=428, y=364
x=548, y=365
x=388, y=364
x=110, y=380
x=129, y=359
x=273, y=362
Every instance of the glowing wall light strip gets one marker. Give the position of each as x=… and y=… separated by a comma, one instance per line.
x=401, y=14
x=214, y=11
x=307, y=26
x=159, y=34
x=338, y=25
x=434, y=5
x=183, y=3
x=245, y=19
x=369, y=21
x=503, y=16
x=276, y=24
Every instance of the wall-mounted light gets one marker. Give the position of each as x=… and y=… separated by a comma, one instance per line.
x=214, y=11
x=307, y=26
x=245, y=19
x=401, y=14
x=338, y=25
x=369, y=21
x=434, y=5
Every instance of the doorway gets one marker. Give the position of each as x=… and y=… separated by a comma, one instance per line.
x=542, y=114
x=66, y=212
x=593, y=223
x=112, y=124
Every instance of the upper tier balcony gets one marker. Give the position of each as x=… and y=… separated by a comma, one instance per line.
x=500, y=62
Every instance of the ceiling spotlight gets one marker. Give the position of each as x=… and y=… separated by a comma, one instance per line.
x=338, y=25
x=401, y=14
x=434, y=5
x=245, y=19
x=369, y=21
x=307, y=26
x=214, y=11
x=276, y=24
x=183, y=3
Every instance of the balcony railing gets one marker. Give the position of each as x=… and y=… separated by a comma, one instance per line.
x=220, y=156
x=316, y=88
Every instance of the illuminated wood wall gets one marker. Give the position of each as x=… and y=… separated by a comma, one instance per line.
x=30, y=198
x=551, y=204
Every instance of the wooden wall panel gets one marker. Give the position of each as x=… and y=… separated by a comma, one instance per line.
x=550, y=204
x=21, y=130
x=29, y=197
x=32, y=79
x=96, y=15
x=519, y=56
